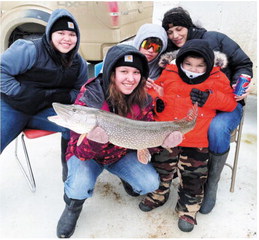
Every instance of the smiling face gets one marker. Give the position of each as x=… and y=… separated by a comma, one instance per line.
x=178, y=35
x=127, y=79
x=63, y=40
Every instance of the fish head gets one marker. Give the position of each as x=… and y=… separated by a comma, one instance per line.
x=80, y=119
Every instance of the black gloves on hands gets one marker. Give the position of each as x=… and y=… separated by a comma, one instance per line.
x=199, y=96
x=160, y=106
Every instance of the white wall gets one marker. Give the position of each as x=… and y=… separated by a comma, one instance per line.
x=237, y=19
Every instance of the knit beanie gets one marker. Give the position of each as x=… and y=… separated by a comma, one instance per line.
x=131, y=60
x=177, y=17
x=63, y=23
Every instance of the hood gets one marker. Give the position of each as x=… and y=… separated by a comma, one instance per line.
x=57, y=14
x=198, y=47
x=111, y=58
x=151, y=30
x=195, y=33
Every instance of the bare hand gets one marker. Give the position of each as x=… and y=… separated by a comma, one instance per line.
x=98, y=135
x=173, y=139
x=159, y=89
x=149, y=83
x=247, y=92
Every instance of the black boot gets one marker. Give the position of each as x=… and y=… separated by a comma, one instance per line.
x=67, y=222
x=216, y=164
x=185, y=226
x=129, y=189
x=64, y=144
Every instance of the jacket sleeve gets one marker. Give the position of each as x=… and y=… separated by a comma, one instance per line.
x=238, y=61
x=221, y=97
x=81, y=79
x=17, y=59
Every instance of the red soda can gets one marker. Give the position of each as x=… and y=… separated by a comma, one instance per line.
x=242, y=84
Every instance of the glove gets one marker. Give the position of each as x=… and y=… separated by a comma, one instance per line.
x=199, y=96
x=63, y=97
x=160, y=106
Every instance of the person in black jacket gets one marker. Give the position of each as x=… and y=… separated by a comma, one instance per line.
x=36, y=73
x=180, y=29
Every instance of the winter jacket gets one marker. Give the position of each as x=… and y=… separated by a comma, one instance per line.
x=178, y=102
x=32, y=76
x=151, y=30
x=238, y=62
x=94, y=94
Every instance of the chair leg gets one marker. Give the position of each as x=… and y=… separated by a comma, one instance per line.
x=29, y=176
x=237, y=141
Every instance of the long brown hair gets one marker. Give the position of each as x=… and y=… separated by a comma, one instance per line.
x=123, y=103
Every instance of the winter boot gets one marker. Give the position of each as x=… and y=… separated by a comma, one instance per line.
x=185, y=226
x=216, y=164
x=64, y=144
x=129, y=189
x=67, y=222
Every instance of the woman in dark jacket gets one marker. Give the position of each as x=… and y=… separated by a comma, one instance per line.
x=180, y=28
x=34, y=74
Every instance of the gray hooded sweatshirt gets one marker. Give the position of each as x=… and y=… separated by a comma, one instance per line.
x=151, y=30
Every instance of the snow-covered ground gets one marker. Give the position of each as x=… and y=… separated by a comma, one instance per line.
x=111, y=212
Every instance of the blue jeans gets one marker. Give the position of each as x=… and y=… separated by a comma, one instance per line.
x=82, y=175
x=13, y=122
x=221, y=127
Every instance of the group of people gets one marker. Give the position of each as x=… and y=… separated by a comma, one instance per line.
x=158, y=76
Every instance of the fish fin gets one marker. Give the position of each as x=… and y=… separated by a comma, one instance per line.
x=169, y=150
x=99, y=135
x=193, y=112
x=144, y=155
x=80, y=139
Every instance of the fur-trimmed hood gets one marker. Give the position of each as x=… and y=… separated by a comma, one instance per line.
x=220, y=59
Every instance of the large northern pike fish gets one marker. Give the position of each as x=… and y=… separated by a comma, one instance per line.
x=123, y=132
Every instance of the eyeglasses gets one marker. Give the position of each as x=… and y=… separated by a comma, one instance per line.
x=146, y=44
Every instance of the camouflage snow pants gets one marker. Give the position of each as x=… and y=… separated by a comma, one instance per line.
x=191, y=167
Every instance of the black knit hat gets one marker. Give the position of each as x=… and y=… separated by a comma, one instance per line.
x=177, y=17
x=199, y=48
x=63, y=23
x=130, y=60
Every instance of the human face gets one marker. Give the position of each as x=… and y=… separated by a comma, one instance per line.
x=64, y=41
x=195, y=65
x=149, y=53
x=151, y=47
x=178, y=35
x=127, y=79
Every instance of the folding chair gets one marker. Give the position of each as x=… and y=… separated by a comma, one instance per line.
x=236, y=138
x=30, y=134
x=97, y=68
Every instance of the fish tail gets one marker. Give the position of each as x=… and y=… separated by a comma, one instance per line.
x=193, y=112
